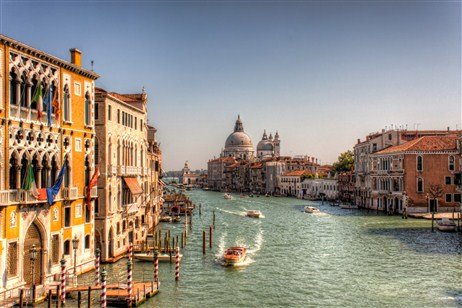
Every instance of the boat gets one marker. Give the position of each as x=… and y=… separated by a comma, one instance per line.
x=149, y=256
x=253, y=213
x=176, y=219
x=165, y=218
x=446, y=225
x=311, y=209
x=251, y=195
x=234, y=255
x=227, y=196
x=348, y=206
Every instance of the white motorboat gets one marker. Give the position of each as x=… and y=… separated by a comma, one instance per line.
x=446, y=225
x=311, y=209
x=348, y=206
x=149, y=256
x=253, y=213
x=227, y=196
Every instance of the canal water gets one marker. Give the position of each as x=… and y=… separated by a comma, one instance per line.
x=336, y=258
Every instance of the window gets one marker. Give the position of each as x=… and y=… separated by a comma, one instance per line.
x=451, y=163
x=87, y=109
x=13, y=89
x=96, y=206
x=374, y=147
x=67, y=247
x=389, y=137
x=136, y=123
x=109, y=112
x=420, y=186
x=448, y=180
x=88, y=213
x=55, y=248
x=96, y=151
x=96, y=112
x=67, y=217
x=66, y=104
x=457, y=198
x=448, y=197
x=12, y=259
x=118, y=116
x=87, y=241
x=141, y=124
x=419, y=163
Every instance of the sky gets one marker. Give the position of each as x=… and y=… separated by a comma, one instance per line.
x=323, y=74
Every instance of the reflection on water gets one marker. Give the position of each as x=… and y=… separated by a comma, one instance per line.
x=335, y=258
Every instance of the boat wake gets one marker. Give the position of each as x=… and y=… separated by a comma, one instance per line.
x=251, y=251
x=231, y=212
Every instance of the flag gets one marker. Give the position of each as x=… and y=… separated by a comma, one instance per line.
x=29, y=182
x=55, y=103
x=48, y=104
x=38, y=98
x=93, y=181
x=54, y=190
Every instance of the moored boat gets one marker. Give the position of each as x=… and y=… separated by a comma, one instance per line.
x=446, y=225
x=253, y=213
x=176, y=219
x=311, y=209
x=348, y=206
x=165, y=218
x=149, y=256
x=227, y=196
x=234, y=255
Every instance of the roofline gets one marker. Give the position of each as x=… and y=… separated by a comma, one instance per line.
x=105, y=93
x=47, y=57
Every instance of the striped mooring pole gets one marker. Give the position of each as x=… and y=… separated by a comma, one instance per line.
x=97, y=261
x=156, y=266
x=129, y=282
x=103, y=289
x=130, y=251
x=63, y=281
x=177, y=264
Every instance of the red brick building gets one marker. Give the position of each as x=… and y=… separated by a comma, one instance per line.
x=416, y=174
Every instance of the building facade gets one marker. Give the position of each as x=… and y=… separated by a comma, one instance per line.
x=124, y=189
x=47, y=122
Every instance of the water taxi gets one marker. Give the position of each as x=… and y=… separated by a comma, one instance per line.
x=446, y=225
x=149, y=256
x=311, y=209
x=227, y=196
x=234, y=255
x=176, y=219
x=253, y=213
x=165, y=218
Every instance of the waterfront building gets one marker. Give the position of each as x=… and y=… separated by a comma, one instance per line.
x=154, y=158
x=274, y=169
x=376, y=142
x=416, y=174
x=216, y=176
x=188, y=177
x=124, y=188
x=290, y=182
x=46, y=123
x=346, y=186
x=316, y=188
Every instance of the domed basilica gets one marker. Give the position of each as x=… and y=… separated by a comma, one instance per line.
x=239, y=144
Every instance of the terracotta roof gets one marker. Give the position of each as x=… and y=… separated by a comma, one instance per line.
x=296, y=173
x=425, y=144
x=256, y=165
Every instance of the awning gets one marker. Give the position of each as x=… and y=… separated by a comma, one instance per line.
x=133, y=185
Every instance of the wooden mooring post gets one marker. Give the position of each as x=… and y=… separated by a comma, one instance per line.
x=79, y=299
x=203, y=242
x=214, y=219
x=50, y=298
x=89, y=297
x=210, y=236
x=21, y=298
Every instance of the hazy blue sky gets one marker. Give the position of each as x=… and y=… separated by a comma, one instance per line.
x=323, y=74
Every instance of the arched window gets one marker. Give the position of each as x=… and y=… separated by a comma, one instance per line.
x=451, y=163
x=33, y=91
x=67, y=175
x=13, y=89
x=54, y=171
x=67, y=247
x=23, y=100
x=87, y=171
x=36, y=168
x=24, y=163
x=66, y=104
x=420, y=185
x=87, y=109
x=419, y=163
x=13, y=173
x=87, y=241
x=44, y=173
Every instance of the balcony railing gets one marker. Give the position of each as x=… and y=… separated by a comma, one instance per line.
x=120, y=170
x=4, y=197
x=25, y=196
x=131, y=170
x=70, y=193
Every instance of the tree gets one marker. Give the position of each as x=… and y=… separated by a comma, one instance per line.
x=345, y=162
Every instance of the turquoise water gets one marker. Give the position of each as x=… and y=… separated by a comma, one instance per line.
x=337, y=258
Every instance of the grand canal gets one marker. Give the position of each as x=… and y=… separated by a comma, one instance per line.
x=338, y=258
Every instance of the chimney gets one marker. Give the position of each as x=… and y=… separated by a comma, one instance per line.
x=359, y=141
x=76, y=56
x=449, y=129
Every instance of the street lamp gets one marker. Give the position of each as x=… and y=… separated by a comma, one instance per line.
x=33, y=256
x=75, y=246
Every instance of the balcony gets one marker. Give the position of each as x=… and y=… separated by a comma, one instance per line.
x=120, y=170
x=131, y=208
x=112, y=170
x=4, y=197
x=70, y=193
x=26, y=197
x=131, y=170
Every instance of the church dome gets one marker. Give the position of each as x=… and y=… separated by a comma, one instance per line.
x=238, y=139
x=265, y=145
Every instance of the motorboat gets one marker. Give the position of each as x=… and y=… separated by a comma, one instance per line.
x=149, y=256
x=227, y=196
x=176, y=219
x=165, y=218
x=311, y=209
x=253, y=213
x=446, y=225
x=234, y=255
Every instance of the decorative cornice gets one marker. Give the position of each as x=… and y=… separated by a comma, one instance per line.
x=47, y=57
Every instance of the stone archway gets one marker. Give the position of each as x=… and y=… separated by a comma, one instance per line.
x=33, y=237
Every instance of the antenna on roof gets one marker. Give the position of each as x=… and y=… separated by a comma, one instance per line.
x=92, y=63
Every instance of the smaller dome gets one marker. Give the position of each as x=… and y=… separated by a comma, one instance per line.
x=265, y=145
